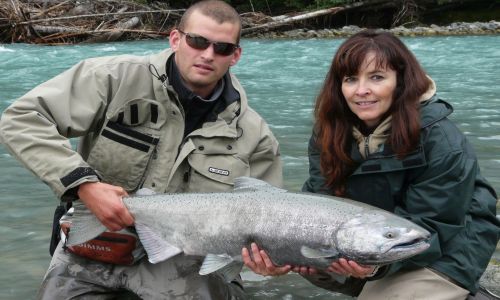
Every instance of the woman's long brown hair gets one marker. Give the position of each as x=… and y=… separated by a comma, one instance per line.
x=334, y=119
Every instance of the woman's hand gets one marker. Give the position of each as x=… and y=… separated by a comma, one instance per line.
x=260, y=263
x=304, y=271
x=350, y=268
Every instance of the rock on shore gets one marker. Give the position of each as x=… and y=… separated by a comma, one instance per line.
x=458, y=28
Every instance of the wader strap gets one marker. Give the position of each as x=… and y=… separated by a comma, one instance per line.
x=60, y=210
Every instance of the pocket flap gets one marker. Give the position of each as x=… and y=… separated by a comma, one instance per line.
x=135, y=112
x=221, y=168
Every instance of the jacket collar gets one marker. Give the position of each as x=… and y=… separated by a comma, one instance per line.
x=375, y=141
x=434, y=110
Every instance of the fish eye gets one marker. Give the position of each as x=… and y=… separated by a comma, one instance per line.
x=390, y=235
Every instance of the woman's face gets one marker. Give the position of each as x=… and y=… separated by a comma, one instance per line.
x=369, y=94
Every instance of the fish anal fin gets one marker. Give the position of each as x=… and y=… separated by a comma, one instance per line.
x=223, y=263
x=156, y=247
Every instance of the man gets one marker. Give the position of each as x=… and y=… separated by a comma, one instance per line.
x=176, y=121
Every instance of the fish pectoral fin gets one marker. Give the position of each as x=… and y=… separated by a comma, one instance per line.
x=156, y=247
x=231, y=271
x=224, y=263
x=339, y=278
x=318, y=253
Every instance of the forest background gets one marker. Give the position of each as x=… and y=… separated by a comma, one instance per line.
x=76, y=21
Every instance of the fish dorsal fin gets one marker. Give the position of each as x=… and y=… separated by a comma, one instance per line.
x=156, y=247
x=224, y=263
x=318, y=253
x=242, y=184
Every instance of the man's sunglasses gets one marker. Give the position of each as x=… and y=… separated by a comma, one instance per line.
x=201, y=43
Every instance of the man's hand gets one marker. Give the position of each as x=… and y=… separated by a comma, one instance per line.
x=261, y=263
x=105, y=202
x=350, y=268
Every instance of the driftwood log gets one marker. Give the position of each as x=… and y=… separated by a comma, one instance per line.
x=284, y=20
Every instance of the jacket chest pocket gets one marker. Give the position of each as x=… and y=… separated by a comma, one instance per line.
x=214, y=167
x=127, y=143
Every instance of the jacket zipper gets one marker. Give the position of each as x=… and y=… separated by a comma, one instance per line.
x=153, y=155
x=187, y=175
x=367, y=147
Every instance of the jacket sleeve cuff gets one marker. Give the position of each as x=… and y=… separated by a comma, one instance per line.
x=72, y=181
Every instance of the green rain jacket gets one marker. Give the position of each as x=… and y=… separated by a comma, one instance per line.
x=438, y=186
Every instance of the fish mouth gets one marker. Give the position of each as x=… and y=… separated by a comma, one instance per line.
x=399, y=252
x=393, y=254
x=416, y=245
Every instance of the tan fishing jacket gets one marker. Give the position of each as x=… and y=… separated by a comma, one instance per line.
x=131, y=128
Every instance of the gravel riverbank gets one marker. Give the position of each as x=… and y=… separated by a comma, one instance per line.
x=458, y=28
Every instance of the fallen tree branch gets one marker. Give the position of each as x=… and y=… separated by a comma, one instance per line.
x=117, y=33
x=169, y=11
x=16, y=8
x=54, y=29
x=58, y=29
x=41, y=13
x=58, y=36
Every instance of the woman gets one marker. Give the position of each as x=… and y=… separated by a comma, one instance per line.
x=382, y=137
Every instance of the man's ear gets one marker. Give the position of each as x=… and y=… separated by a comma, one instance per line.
x=174, y=39
x=236, y=56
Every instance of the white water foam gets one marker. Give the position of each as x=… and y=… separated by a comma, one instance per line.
x=487, y=138
x=3, y=49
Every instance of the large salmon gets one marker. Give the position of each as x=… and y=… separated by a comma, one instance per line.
x=294, y=228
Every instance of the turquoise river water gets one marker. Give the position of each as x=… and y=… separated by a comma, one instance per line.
x=281, y=79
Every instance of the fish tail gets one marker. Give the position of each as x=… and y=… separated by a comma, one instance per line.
x=84, y=225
